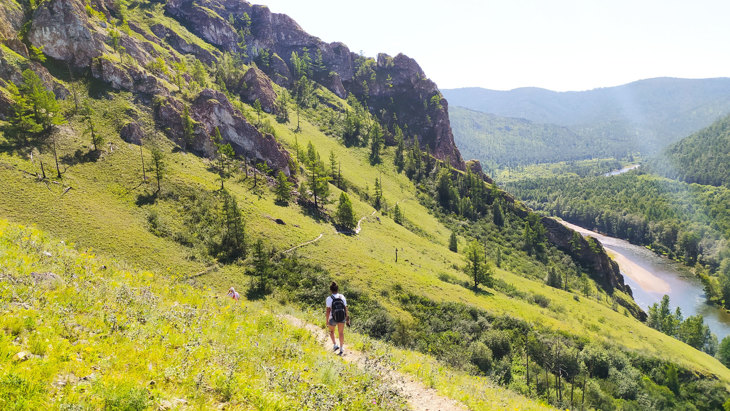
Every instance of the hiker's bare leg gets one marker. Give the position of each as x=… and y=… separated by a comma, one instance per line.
x=341, y=331
x=332, y=334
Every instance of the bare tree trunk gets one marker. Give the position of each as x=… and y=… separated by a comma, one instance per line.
x=583, y=394
x=527, y=366
x=547, y=383
x=43, y=169
x=141, y=155
x=572, y=388
x=55, y=156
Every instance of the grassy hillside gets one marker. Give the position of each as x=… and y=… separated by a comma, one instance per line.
x=81, y=331
x=421, y=310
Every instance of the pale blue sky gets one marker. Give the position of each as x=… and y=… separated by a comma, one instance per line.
x=555, y=44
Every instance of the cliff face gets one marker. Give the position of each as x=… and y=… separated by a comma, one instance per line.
x=394, y=88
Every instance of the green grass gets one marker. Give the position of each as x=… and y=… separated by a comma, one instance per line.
x=102, y=336
x=100, y=212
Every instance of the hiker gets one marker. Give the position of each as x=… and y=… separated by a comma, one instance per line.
x=337, y=314
x=233, y=294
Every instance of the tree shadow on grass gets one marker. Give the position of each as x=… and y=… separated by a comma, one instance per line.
x=146, y=198
x=309, y=209
x=80, y=157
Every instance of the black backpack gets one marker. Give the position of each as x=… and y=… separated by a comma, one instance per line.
x=338, y=309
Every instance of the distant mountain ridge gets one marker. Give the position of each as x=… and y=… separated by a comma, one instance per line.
x=702, y=158
x=643, y=116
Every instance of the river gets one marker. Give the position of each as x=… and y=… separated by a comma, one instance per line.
x=651, y=276
x=621, y=171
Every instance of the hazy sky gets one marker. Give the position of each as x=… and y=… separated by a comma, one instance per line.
x=555, y=44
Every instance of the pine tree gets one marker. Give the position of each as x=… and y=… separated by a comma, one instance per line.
x=498, y=216
x=282, y=107
x=257, y=108
x=399, y=160
x=333, y=166
x=158, y=163
x=224, y=156
x=233, y=244
x=282, y=189
x=398, y=214
x=318, y=182
x=477, y=265
x=453, y=244
x=378, y=196
x=376, y=143
x=345, y=216
x=87, y=114
x=499, y=257
x=261, y=267
x=188, y=127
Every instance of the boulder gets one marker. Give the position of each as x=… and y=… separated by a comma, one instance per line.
x=132, y=133
x=63, y=29
x=256, y=86
x=5, y=104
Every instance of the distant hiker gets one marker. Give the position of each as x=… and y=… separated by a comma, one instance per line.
x=337, y=314
x=233, y=294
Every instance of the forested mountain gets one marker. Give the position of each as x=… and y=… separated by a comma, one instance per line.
x=503, y=141
x=703, y=157
x=155, y=153
x=643, y=116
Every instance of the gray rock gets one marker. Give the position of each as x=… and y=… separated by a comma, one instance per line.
x=132, y=133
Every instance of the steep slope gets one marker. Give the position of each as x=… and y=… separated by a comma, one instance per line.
x=643, y=116
x=702, y=158
x=162, y=191
x=493, y=140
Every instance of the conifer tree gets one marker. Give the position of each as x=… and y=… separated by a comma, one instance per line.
x=87, y=114
x=398, y=214
x=158, y=164
x=282, y=189
x=453, y=244
x=188, y=127
x=224, y=155
x=476, y=264
x=378, y=195
x=399, y=160
x=257, y=108
x=498, y=216
x=333, y=165
x=345, y=216
x=233, y=244
x=376, y=143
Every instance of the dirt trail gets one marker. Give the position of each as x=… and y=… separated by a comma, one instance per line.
x=419, y=397
x=359, y=228
x=303, y=244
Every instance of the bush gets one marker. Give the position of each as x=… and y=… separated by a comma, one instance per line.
x=481, y=356
x=498, y=342
x=125, y=398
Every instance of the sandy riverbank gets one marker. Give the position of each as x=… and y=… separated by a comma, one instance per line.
x=643, y=277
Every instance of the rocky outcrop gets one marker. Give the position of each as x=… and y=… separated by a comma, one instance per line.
x=256, y=86
x=202, y=18
x=212, y=109
x=5, y=104
x=63, y=30
x=127, y=77
x=593, y=257
x=11, y=70
x=476, y=167
x=132, y=133
x=182, y=46
x=11, y=19
x=400, y=87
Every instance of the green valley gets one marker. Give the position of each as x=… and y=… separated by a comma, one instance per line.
x=186, y=147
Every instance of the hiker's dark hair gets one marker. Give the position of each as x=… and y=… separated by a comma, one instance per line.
x=333, y=287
